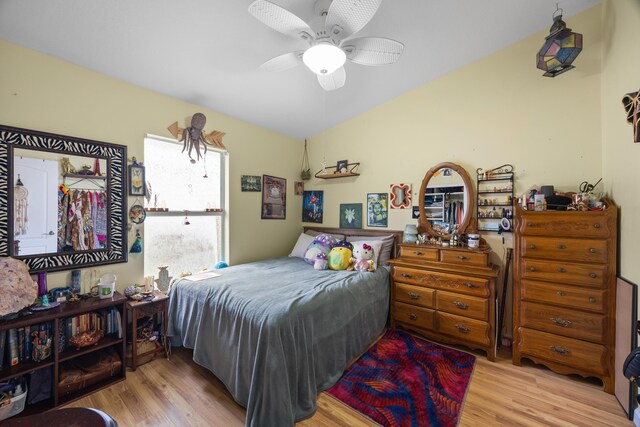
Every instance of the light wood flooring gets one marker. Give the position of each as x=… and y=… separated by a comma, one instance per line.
x=178, y=392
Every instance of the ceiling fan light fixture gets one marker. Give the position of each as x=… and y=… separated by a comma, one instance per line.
x=324, y=58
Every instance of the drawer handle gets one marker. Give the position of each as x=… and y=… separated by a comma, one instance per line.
x=592, y=250
x=560, y=293
x=562, y=270
x=460, y=305
x=596, y=225
x=418, y=253
x=532, y=246
x=593, y=275
x=530, y=224
x=462, y=257
x=463, y=329
x=532, y=269
x=560, y=350
x=412, y=316
x=561, y=246
x=405, y=275
x=413, y=295
x=561, y=322
x=592, y=299
x=470, y=285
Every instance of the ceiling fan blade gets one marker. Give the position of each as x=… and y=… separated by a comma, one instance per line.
x=280, y=20
x=283, y=62
x=334, y=80
x=373, y=50
x=346, y=17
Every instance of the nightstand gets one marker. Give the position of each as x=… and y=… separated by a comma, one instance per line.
x=139, y=309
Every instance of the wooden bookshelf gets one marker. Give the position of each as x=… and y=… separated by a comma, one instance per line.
x=55, y=317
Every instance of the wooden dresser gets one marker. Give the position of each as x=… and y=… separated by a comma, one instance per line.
x=445, y=294
x=564, y=291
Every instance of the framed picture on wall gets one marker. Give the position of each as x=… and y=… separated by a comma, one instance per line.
x=274, y=197
x=137, y=186
x=351, y=215
x=377, y=209
x=250, y=183
x=312, y=206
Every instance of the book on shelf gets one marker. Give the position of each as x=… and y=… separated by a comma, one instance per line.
x=3, y=334
x=12, y=343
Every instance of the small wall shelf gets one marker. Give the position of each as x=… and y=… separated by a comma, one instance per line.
x=331, y=172
x=498, y=182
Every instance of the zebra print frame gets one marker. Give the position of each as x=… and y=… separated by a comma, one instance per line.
x=116, y=157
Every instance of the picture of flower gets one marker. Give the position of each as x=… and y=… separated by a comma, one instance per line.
x=312, y=206
x=351, y=215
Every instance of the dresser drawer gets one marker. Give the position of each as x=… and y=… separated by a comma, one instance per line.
x=592, y=275
x=577, y=354
x=563, y=321
x=414, y=315
x=464, y=257
x=463, y=284
x=419, y=252
x=567, y=296
x=565, y=224
x=563, y=248
x=417, y=295
x=464, y=305
x=463, y=328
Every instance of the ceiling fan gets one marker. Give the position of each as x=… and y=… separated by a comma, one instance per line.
x=328, y=36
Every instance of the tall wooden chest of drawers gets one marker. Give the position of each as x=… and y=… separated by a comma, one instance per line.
x=445, y=294
x=564, y=291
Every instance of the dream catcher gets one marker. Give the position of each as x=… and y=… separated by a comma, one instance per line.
x=20, y=204
x=631, y=102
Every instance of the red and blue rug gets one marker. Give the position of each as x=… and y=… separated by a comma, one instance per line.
x=403, y=380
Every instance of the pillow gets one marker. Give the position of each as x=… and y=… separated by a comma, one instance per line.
x=315, y=233
x=376, y=245
x=321, y=244
x=386, y=253
x=304, y=240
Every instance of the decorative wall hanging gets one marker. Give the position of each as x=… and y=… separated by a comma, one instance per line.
x=377, y=210
x=313, y=206
x=137, y=214
x=274, y=197
x=305, y=170
x=194, y=135
x=560, y=48
x=351, y=215
x=400, y=196
x=631, y=102
x=298, y=188
x=136, y=247
x=20, y=204
x=136, y=179
x=250, y=183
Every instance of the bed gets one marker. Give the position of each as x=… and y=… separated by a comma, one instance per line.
x=277, y=332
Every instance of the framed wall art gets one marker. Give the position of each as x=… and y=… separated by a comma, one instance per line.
x=312, y=206
x=377, y=209
x=274, y=197
x=299, y=188
x=351, y=215
x=250, y=183
x=400, y=196
x=137, y=186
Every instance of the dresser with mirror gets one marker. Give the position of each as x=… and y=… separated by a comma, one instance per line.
x=446, y=294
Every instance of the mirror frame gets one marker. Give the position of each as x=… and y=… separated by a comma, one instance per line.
x=468, y=224
x=393, y=199
x=116, y=157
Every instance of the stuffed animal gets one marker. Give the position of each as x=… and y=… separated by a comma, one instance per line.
x=362, y=258
x=321, y=244
x=321, y=262
x=340, y=256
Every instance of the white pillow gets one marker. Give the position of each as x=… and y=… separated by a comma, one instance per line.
x=304, y=240
x=375, y=244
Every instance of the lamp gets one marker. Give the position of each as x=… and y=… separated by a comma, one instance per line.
x=410, y=234
x=324, y=58
x=561, y=47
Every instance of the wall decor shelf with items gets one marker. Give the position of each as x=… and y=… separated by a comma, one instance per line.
x=495, y=190
x=331, y=172
x=72, y=370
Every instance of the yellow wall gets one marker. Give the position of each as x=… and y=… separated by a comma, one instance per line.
x=620, y=156
x=43, y=93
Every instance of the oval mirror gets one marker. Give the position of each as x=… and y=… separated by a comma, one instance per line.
x=447, y=201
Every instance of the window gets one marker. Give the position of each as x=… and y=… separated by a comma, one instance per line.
x=185, y=223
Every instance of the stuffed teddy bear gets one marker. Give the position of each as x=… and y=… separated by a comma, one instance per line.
x=340, y=256
x=321, y=261
x=321, y=244
x=362, y=258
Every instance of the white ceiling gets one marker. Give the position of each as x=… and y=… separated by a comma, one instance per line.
x=208, y=51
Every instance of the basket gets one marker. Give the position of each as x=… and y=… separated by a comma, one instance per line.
x=85, y=339
x=13, y=406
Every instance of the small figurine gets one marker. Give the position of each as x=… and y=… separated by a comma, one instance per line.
x=320, y=261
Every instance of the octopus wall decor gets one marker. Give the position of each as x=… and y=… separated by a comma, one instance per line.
x=631, y=102
x=194, y=135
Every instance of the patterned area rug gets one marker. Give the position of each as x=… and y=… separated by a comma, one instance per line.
x=403, y=380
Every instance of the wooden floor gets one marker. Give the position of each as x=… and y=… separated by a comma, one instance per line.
x=181, y=393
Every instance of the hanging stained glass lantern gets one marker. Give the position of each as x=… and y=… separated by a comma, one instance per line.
x=560, y=49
